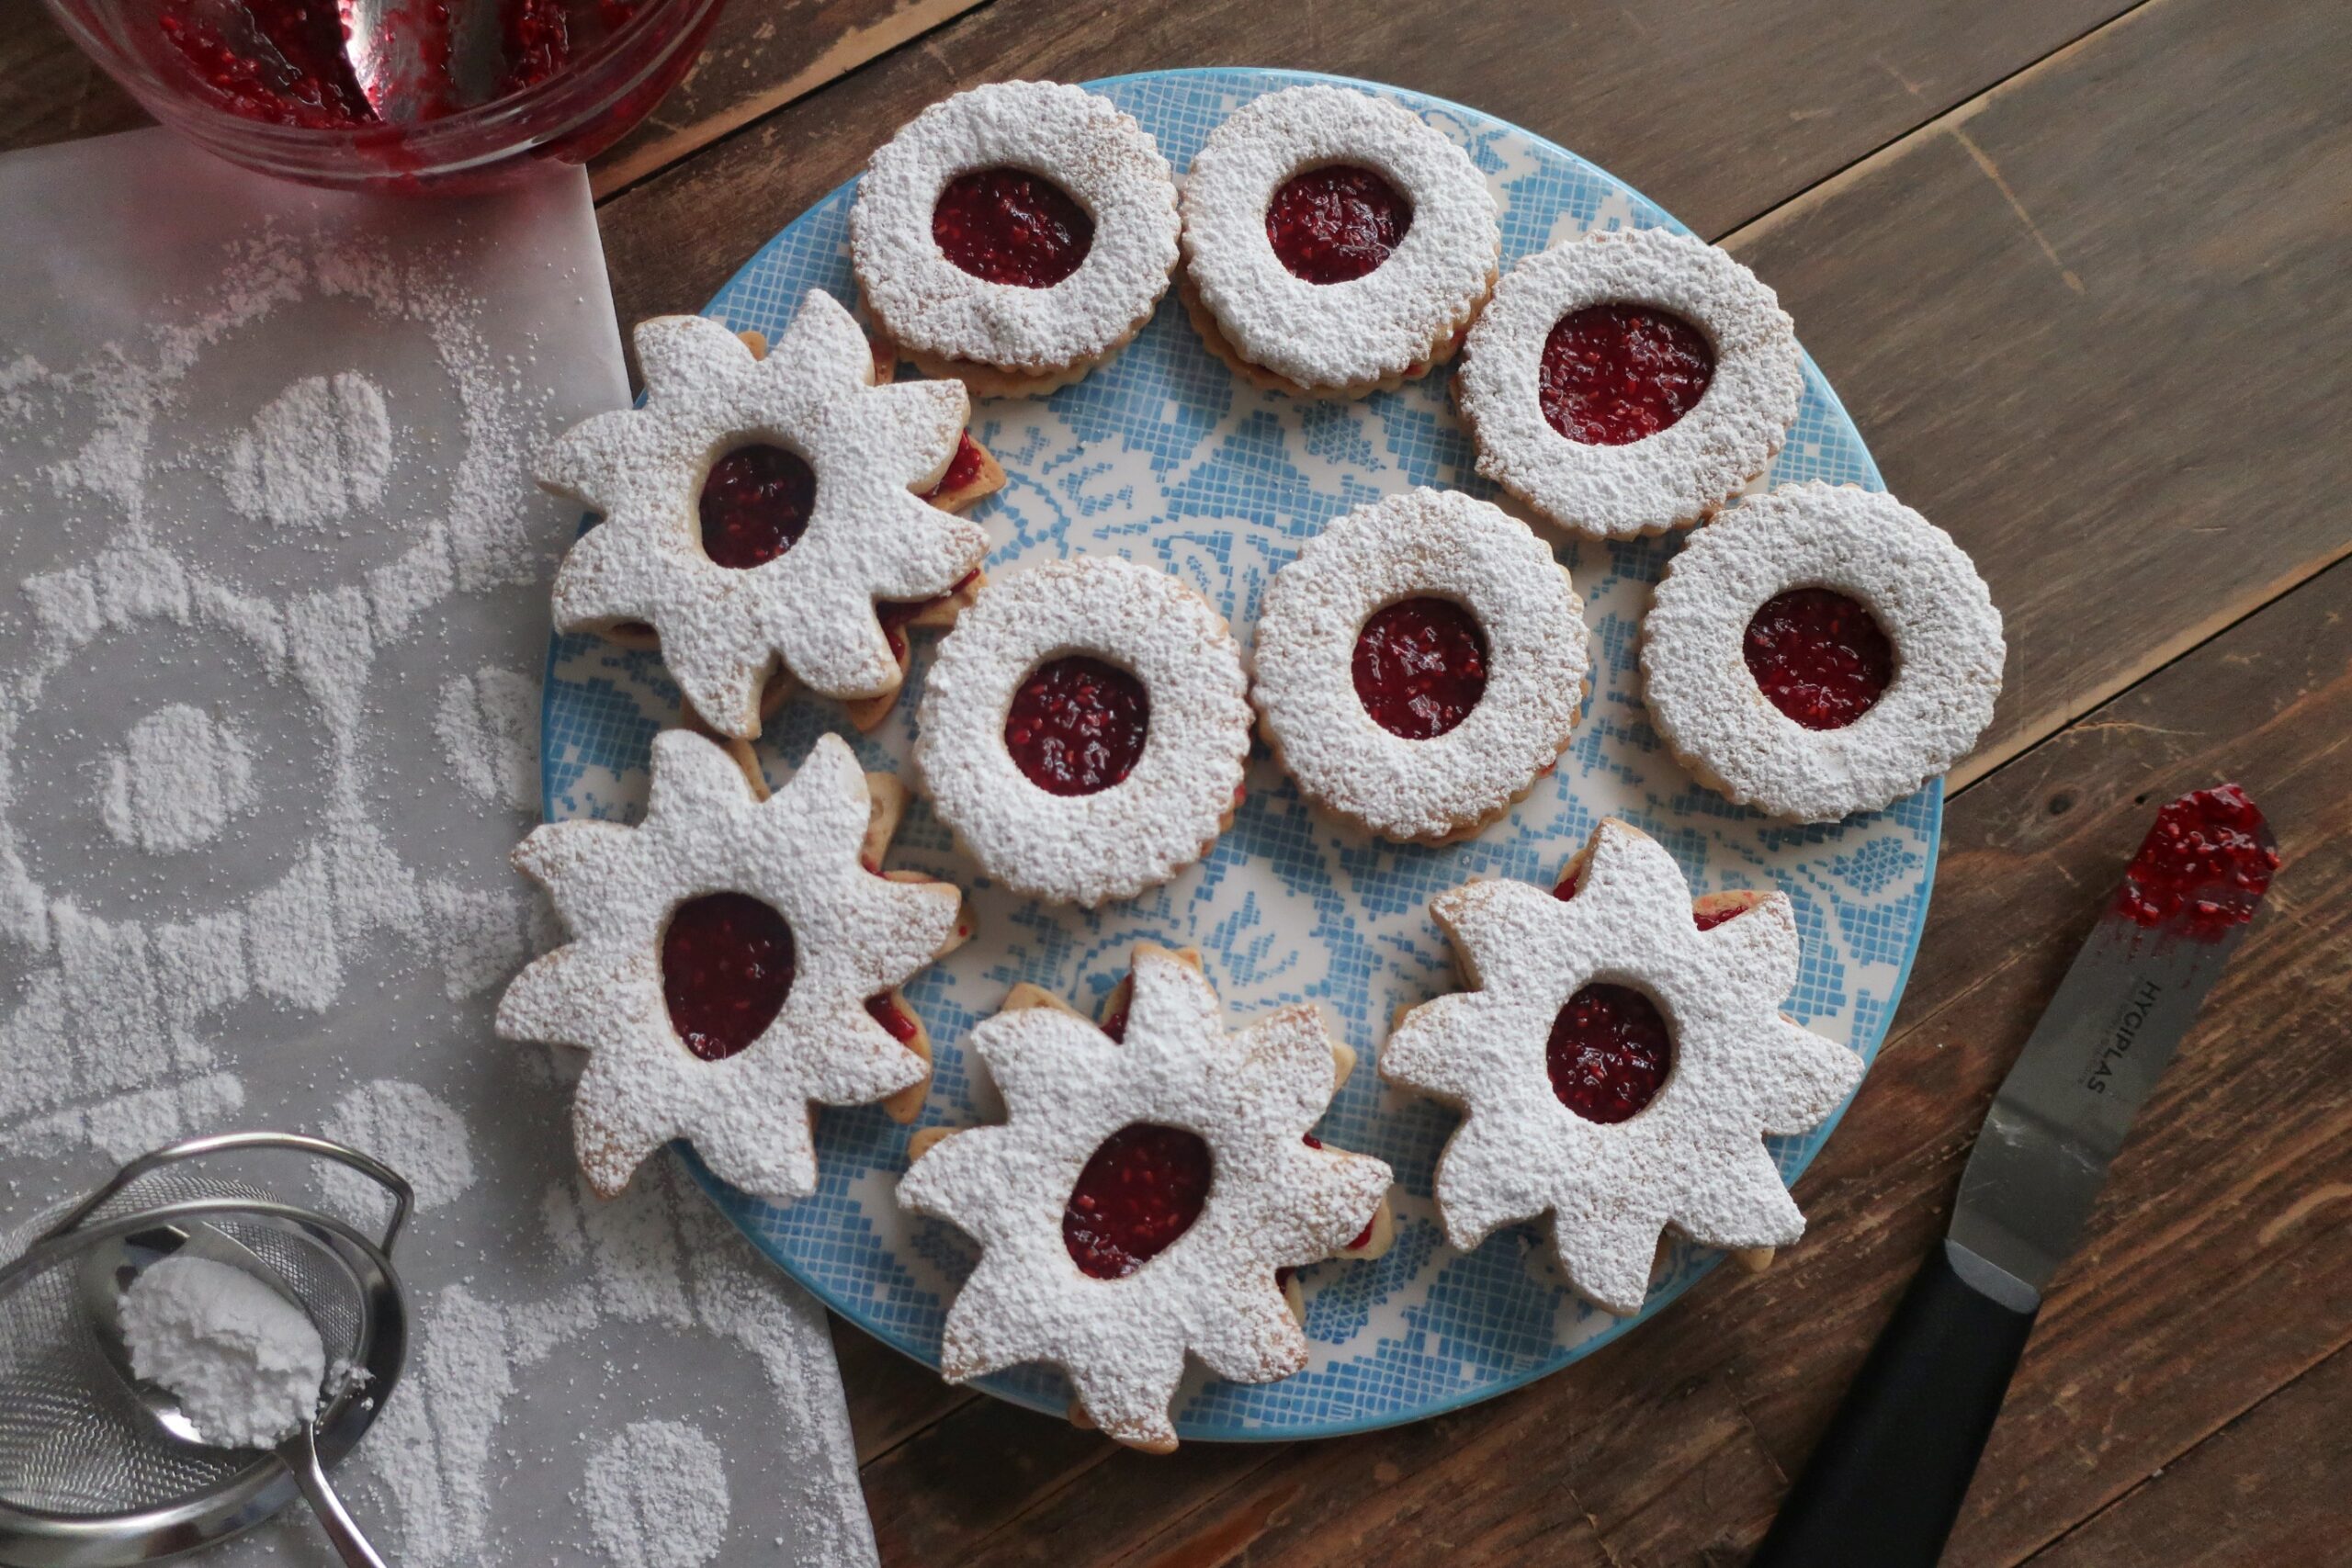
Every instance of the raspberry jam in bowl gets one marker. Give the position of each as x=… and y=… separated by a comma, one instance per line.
x=416, y=95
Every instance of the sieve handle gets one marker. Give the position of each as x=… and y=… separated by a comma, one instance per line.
x=300, y=1454
x=376, y=1170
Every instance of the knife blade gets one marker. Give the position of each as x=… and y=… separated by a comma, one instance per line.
x=1886, y=1482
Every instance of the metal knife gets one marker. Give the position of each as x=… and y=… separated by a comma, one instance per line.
x=1885, y=1484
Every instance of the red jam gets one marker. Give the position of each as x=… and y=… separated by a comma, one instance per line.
x=1337, y=222
x=726, y=969
x=2207, y=862
x=1010, y=226
x=961, y=468
x=894, y=1018
x=1139, y=1192
x=1421, y=667
x=1819, y=656
x=1077, y=724
x=1705, y=920
x=755, y=505
x=894, y=615
x=1115, y=1026
x=1614, y=374
x=1609, y=1052
x=284, y=61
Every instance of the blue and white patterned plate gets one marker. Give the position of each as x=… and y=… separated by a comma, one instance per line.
x=1164, y=457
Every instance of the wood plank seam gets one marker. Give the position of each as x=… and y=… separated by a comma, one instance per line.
x=2124, y=1498
x=1895, y=149
x=851, y=53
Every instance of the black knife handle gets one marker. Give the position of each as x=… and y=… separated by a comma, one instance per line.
x=1883, y=1487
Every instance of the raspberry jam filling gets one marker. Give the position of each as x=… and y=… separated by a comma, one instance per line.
x=1010, y=226
x=1139, y=1192
x=755, y=505
x=1706, y=920
x=1077, y=724
x=1819, y=656
x=961, y=468
x=726, y=969
x=1609, y=1052
x=1421, y=667
x=2210, y=854
x=1614, y=374
x=892, y=1017
x=1338, y=222
x=894, y=614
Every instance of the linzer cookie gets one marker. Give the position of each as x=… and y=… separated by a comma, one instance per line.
x=1629, y=383
x=1140, y=1196
x=734, y=961
x=1334, y=242
x=1820, y=650
x=1015, y=236
x=1083, y=730
x=756, y=508
x=1419, y=664
x=1366, y=1246
x=1618, y=1066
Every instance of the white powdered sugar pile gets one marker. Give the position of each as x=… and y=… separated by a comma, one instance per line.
x=273, y=596
x=245, y=1362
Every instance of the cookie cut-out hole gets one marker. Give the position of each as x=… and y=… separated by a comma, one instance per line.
x=1077, y=724
x=1609, y=1052
x=1616, y=374
x=1819, y=656
x=1336, y=223
x=1421, y=667
x=1006, y=225
x=1141, y=1190
x=726, y=970
x=755, y=505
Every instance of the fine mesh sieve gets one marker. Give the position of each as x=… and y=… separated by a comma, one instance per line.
x=87, y=1476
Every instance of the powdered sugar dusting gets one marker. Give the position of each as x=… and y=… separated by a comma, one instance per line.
x=855, y=935
x=1694, y=1156
x=1338, y=335
x=1081, y=141
x=1137, y=833
x=245, y=1364
x=1275, y=1202
x=657, y=1495
x=1684, y=472
x=319, y=449
x=179, y=778
x=1423, y=542
x=1919, y=585
x=869, y=534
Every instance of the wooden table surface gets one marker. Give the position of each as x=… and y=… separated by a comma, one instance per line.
x=2079, y=269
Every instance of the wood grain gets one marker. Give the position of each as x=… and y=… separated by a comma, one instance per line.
x=1654, y=90
x=760, y=56
x=2268, y=1488
x=2090, y=324
x=2209, y=1276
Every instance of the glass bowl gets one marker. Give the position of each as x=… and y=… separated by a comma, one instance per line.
x=582, y=107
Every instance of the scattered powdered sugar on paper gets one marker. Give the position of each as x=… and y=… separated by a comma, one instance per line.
x=657, y=1495
x=241, y=885
x=179, y=779
x=489, y=726
x=245, y=1362
x=319, y=449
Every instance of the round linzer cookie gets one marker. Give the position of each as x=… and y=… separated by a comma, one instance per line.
x=1618, y=1066
x=757, y=509
x=1015, y=236
x=734, y=961
x=1821, y=650
x=1419, y=664
x=1335, y=242
x=1083, y=730
x=1136, y=1205
x=1629, y=383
